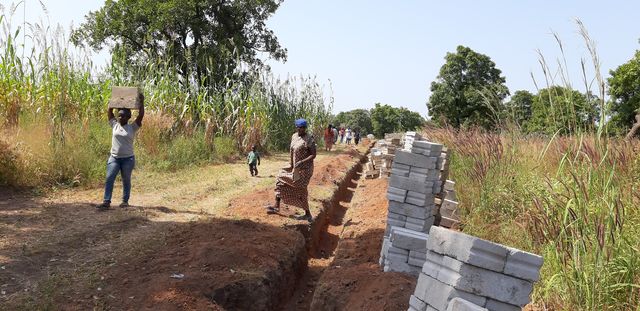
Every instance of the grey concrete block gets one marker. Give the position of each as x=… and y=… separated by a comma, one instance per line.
x=417, y=160
x=447, y=222
x=410, y=184
x=523, y=265
x=416, y=262
x=409, y=239
x=396, y=216
x=400, y=166
x=395, y=222
x=399, y=251
x=468, y=249
x=426, y=200
x=417, y=303
x=418, y=255
x=403, y=267
x=398, y=172
x=459, y=304
x=409, y=210
x=432, y=174
x=395, y=197
x=494, y=305
x=438, y=294
x=393, y=258
x=449, y=185
x=396, y=191
x=482, y=282
x=421, y=225
x=430, y=308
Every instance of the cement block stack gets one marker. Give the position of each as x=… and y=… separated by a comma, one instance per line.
x=381, y=157
x=404, y=251
x=485, y=274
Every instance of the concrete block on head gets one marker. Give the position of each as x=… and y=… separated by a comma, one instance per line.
x=417, y=303
x=482, y=282
x=468, y=249
x=438, y=294
x=409, y=210
x=417, y=160
x=495, y=305
x=459, y=304
x=410, y=184
x=523, y=265
x=409, y=239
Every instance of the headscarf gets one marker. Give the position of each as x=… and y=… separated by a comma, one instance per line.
x=301, y=123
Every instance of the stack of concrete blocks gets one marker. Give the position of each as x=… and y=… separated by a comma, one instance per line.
x=404, y=251
x=486, y=274
x=448, y=207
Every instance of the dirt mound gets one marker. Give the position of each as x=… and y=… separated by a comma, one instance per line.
x=235, y=265
x=354, y=281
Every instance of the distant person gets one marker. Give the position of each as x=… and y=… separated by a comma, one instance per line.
x=328, y=138
x=341, y=135
x=335, y=134
x=122, y=159
x=356, y=136
x=348, y=136
x=253, y=159
x=292, y=182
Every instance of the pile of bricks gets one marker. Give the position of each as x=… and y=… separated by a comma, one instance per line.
x=485, y=274
x=381, y=157
x=448, y=206
x=404, y=251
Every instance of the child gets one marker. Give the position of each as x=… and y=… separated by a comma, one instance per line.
x=253, y=159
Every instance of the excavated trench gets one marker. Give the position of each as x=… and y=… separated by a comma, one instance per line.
x=322, y=238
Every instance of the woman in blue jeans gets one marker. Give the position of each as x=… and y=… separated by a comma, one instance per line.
x=121, y=159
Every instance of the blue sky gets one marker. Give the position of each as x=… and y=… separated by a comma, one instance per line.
x=390, y=51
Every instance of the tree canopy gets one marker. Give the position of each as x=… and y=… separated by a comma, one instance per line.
x=519, y=107
x=355, y=119
x=564, y=110
x=387, y=119
x=466, y=90
x=205, y=40
x=624, y=88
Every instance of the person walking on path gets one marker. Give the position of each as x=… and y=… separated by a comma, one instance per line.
x=356, y=136
x=335, y=134
x=328, y=138
x=253, y=159
x=341, y=135
x=348, y=134
x=292, y=182
x=121, y=159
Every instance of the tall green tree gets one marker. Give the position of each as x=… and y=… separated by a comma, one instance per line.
x=387, y=119
x=563, y=110
x=519, y=108
x=461, y=91
x=355, y=119
x=624, y=88
x=206, y=40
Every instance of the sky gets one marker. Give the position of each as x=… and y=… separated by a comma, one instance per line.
x=389, y=52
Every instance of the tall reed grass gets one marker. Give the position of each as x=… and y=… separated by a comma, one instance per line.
x=53, y=110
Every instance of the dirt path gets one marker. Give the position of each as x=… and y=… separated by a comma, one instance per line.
x=204, y=223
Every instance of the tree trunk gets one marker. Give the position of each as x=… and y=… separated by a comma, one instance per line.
x=634, y=128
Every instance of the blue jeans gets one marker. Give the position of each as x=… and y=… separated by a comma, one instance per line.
x=125, y=167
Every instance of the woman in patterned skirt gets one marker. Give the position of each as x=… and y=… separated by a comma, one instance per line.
x=292, y=182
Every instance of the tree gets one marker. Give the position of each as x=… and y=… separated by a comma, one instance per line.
x=518, y=108
x=624, y=88
x=387, y=119
x=205, y=40
x=355, y=119
x=460, y=92
x=563, y=110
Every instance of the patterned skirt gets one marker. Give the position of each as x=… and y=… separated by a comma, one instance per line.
x=293, y=191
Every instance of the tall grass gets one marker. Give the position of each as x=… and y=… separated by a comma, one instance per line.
x=53, y=110
x=570, y=198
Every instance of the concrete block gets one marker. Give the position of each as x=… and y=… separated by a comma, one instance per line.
x=396, y=216
x=418, y=255
x=447, y=222
x=410, y=184
x=395, y=222
x=426, y=200
x=430, y=308
x=397, y=172
x=421, y=225
x=449, y=185
x=451, y=195
x=482, y=282
x=408, y=210
x=494, y=305
x=400, y=166
x=403, y=267
x=397, y=191
x=428, y=145
x=438, y=294
x=432, y=174
x=125, y=97
x=393, y=258
x=523, y=265
x=395, y=197
x=386, y=243
x=417, y=160
x=459, y=304
x=399, y=251
x=417, y=304
x=416, y=262
x=468, y=249
x=409, y=239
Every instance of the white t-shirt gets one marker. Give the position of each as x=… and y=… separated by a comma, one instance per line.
x=122, y=139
